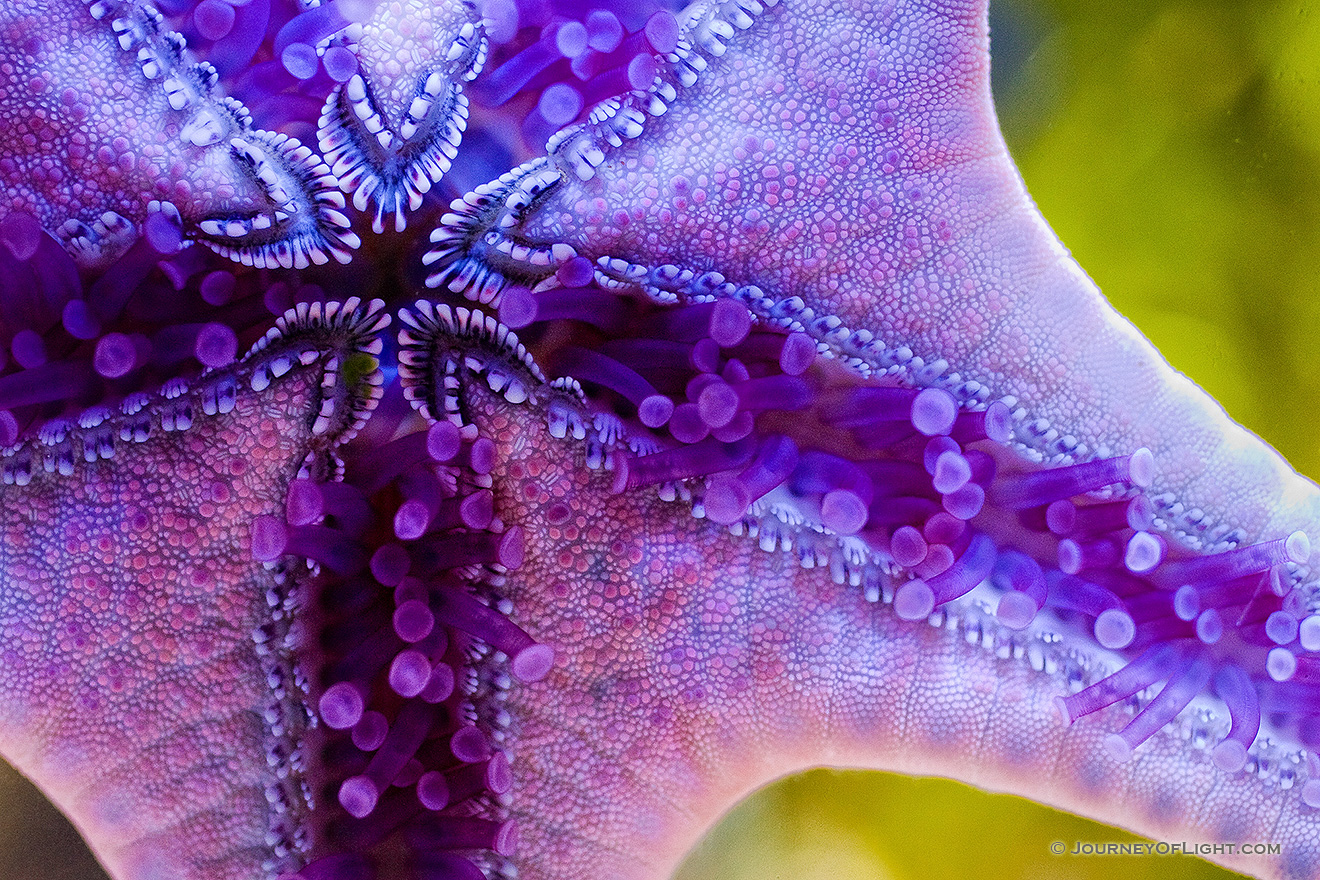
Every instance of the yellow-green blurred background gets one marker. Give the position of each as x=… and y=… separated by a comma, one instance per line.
x=1175, y=148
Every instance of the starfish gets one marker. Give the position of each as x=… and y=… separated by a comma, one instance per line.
x=918, y=233
x=697, y=667
x=390, y=144
x=881, y=381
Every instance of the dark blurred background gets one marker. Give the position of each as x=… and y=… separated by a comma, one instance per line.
x=1175, y=148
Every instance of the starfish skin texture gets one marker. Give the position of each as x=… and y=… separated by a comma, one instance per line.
x=132, y=685
x=103, y=129
x=698, y=668
x=900, y=213
x=416, y=55
x=692, y=665
x=923, y=233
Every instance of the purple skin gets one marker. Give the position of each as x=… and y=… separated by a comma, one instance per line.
x=504, y=657
x=128, y=609
x=96, y=162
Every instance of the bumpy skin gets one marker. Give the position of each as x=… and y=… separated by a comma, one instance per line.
x=85, y=132
x=413, y=57
x=848, y=154
x=402, y=42
x=129, y=679
x=89, y=127
x=697, y=667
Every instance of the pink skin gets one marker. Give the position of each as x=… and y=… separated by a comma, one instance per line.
x=413, y=58
x=922, y=232
x=131, y=690
x=403, y=41
x=723, y=180
x=743, y=666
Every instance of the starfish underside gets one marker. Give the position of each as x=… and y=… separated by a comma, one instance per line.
x=783, y=433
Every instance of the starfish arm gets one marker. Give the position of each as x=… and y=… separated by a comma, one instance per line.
x=846, y=161
x=110, y=122
x=697, y=666
x=789, y=274
x=147, y=686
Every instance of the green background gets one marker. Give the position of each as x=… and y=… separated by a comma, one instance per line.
x=1175, y=148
